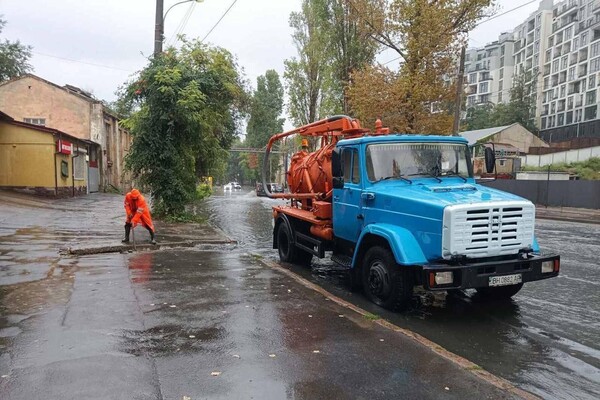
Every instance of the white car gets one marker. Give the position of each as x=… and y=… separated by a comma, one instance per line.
x=228, y=187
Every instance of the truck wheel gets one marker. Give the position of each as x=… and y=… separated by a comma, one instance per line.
x=498, y=293
x=386, y=283
x=288, y=252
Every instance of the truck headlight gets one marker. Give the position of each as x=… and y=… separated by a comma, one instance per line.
x=444, y=278
x=550, y=266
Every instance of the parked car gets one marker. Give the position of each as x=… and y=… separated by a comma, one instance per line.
x=236, y=186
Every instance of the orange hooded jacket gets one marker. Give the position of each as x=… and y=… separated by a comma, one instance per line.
x=137, y=210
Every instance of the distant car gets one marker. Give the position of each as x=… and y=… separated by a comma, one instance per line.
x=273, y=188
x=228, y=187
x=236, y=186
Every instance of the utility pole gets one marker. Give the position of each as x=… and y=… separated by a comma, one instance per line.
x=459, y=92
x=158, y=28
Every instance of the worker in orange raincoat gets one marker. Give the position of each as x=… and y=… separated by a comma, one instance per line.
x=137, y=212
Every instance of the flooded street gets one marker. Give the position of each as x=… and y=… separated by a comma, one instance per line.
x=545, y=340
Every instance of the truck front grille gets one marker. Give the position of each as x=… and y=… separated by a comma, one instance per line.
x=487, y=229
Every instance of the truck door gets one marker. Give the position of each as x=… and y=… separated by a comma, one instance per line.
x=347, y=221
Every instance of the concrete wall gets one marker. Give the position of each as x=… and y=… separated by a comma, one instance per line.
x=561, y=157
x=580, y=194
x=519, y=137
x=28, y=161
x=29, y=97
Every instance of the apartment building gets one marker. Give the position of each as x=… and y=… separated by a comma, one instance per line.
x=572, y=63
x=489, y=71
x=531, y=50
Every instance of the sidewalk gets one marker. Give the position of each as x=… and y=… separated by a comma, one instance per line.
x=568, y=214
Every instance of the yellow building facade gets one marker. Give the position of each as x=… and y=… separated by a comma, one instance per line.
x=41, y=160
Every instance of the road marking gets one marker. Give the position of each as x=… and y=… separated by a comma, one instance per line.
x=462, y=362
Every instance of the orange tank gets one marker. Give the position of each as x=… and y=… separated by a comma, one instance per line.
x=311, y=172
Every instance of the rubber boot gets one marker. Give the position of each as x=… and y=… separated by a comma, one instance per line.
x=127, y=231
x=151, y=236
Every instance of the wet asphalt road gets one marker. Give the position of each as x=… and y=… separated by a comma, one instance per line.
x=158, y=324
x=203, y=323
x=546, y=340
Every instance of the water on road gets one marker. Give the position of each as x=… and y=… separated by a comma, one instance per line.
x=545, y=340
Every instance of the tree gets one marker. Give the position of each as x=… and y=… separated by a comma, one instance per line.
x=332, y=43
x=185, y=119
x=521, y=107
x=266, y=107
x=310, y=90
x=479, y=117
x=426, y=35
x=14, y=57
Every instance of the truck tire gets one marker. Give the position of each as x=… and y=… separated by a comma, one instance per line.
x=498, y=293
x=386, y=283
x=288, y=252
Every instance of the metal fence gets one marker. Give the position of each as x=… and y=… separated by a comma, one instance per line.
x=580, y=194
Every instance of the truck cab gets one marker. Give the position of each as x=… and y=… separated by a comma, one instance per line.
x=407, y=209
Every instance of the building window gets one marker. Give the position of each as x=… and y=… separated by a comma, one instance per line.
x=502, y=50
x=555, y=66
x=590, y=98
x=569, y=117
x=590, y=113
x=595, y=65
x=472, y=78
x=584, y=39
x=501, y=73
x=35, y=121
x=591, y=81
x=501, y=62
x=564, y=62
x=571, y=73
x=568, y=33
x=500, y=97
x=561, y=119
x=595, y=49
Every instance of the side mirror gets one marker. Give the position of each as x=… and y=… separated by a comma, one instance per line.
x=336, y=163
x=490, y=160
x=338, y=182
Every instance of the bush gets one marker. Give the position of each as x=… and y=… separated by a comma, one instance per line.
x=586, y=170
x=203, y=191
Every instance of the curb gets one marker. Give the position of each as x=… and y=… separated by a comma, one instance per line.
x=462, y=362
x=80, y=251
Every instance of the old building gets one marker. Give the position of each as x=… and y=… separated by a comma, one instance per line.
x=34, y=100
x=510, y=143
x=42, y=160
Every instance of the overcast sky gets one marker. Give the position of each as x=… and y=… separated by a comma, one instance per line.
x=118, y=35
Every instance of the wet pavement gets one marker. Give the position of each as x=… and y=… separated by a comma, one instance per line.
x=544, y=341
x=215, y=322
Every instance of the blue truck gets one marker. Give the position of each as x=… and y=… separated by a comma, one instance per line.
x=400, y=211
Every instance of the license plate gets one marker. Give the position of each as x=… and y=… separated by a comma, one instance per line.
x=505, y=280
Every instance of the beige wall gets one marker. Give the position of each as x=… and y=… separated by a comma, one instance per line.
x=27, y=159
x=519, y=137
x=32, y=98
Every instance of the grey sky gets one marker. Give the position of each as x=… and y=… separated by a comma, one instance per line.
x=119, y=34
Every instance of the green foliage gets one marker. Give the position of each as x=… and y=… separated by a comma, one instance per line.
x=304, y=75
x=203, y=191
x=585, y=170
x=266, y=107
x=185, y=104
x=14, y=57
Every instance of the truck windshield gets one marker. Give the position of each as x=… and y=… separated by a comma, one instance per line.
x=401, y=160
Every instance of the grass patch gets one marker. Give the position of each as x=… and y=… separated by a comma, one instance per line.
x=586, y=170
x=371, y=317
x=185, y=217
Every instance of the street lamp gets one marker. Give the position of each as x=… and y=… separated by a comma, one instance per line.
x=160, y=23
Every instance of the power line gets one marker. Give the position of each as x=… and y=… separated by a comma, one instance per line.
x=184, y=21
x=222, y=16
x=81, y=62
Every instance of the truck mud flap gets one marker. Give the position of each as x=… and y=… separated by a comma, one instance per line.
x=310, y=245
